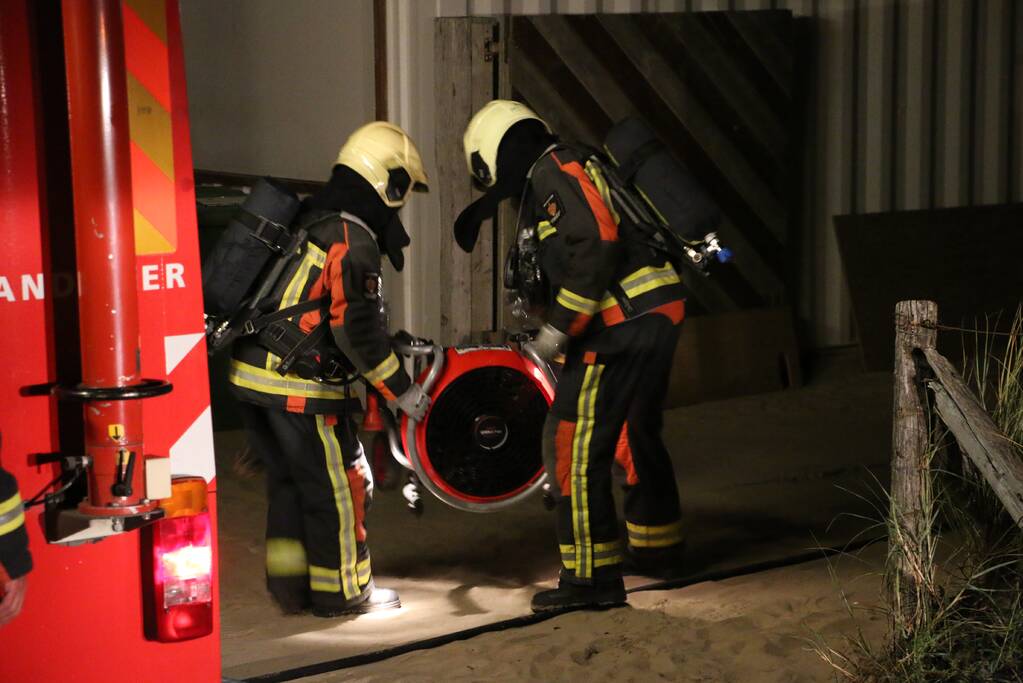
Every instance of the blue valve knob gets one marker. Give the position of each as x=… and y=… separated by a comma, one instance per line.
x=725, y=255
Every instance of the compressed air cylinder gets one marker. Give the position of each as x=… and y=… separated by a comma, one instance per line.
x=667, y=185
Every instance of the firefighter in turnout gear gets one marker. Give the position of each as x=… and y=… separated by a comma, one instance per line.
x=614, y=307
x=319, y=481
x=15, y=560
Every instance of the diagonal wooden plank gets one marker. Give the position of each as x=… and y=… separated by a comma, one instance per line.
x=581, y=59
x=981, y=440
x=699, y=123
x=772, y=51
x=751, y=263
x=535, y=85
x=731, y=82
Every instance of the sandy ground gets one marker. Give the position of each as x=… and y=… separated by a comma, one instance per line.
x=756, y=628
x=762, y=477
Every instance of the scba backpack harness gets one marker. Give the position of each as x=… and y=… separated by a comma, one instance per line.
x=659, y=201
x=241, y=275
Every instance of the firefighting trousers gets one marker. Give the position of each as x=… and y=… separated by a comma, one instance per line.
x=318, y=487
x=612, y=391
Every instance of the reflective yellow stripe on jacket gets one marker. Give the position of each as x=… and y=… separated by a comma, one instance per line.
x=384, y=371
x=270, y=382
x=544, y=229
x=12, y=514
x=314, y=258
x=605, y=193
x=576, y=302
x=642, y=281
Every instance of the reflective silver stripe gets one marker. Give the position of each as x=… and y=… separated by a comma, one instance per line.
x=575, y=302
x=384, y=371
x=314, y=257
x=642, y=531
x=604, y=554
x=270, y=382
x=364, y=571
x=586, y=410
x=14, y=517
x=650, y=281
x=324, y=580
x=660, y=536
x=11, y=503
x=345, y=508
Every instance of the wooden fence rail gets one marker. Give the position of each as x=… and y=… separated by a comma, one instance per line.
x=919, y=368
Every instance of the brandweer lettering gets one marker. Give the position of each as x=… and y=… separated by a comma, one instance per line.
x=33, y=286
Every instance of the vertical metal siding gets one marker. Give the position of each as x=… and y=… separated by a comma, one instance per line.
x=913, y=104
x=913, y=84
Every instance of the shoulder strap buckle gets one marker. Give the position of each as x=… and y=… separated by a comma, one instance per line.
x=273, y=235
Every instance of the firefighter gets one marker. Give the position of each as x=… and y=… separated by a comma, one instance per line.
x=319, y=481
x=614, y=310
x=15, y=560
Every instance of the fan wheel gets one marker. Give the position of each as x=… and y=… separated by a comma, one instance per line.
x=484, y=432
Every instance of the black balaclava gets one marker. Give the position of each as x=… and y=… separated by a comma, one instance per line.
x=348, y=191
x=520, y=147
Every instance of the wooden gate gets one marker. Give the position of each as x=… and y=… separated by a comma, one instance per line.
x=718, y=87
x=468, y=70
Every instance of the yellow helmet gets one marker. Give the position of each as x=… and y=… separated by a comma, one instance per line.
x=386, y=157
x=484, y=134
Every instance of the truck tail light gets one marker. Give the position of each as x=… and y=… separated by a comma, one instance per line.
x=181, y=565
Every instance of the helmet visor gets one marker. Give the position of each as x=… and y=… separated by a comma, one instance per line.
x=399, y=185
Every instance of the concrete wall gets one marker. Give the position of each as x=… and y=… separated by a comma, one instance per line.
x=275, y=87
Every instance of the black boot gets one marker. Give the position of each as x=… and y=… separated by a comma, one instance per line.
x=371, y=599
x=569, y=596
x=666, y=564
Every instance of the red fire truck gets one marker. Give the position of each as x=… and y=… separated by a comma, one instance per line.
x=104, y=403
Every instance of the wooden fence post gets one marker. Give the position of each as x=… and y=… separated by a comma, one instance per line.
x=910, y=532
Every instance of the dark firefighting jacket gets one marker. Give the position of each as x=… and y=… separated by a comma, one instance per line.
x=599, y=276
x=341, y=261
x=15, y=559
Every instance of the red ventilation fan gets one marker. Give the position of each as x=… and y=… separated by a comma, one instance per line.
x=479, y=446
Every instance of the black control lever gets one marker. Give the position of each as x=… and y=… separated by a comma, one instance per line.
x=125, y=470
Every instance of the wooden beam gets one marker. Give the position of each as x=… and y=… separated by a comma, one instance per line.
x=983, y=443
x=453, y=72
x=507, y=216
x=380, y=57
x=911, y=501
x=483, y=35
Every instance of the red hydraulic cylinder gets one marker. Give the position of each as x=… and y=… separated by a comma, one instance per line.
x=105, y=243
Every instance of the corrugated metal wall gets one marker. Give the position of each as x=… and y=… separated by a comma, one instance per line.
x=912, y=104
